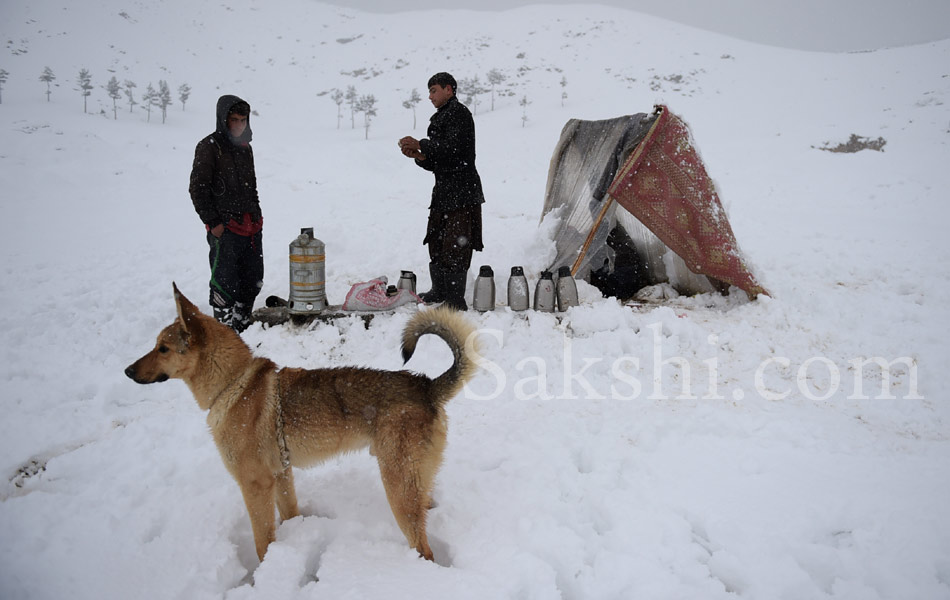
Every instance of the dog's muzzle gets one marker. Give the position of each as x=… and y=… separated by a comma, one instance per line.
x=131, y=374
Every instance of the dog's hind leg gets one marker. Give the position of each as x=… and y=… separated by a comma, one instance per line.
x=408, y=476
x=286, y=495
x=259, y=498
x=408, y=501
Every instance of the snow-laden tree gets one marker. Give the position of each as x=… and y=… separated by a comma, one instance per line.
x=184, y=91
x=164, y=98
x=115, y=92
x=148, y=100
x=367, y=106
x=337, y=97
x=352, y=99
x=495, y=78
x=410, y=104
x=3, y=80
x=48, y=78
x=471, y=89
x=563, y=90
x=85, y=86
x=129, y=86
x=524, y=102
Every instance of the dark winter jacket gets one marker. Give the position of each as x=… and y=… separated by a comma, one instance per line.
x=223, y=183
x=450, y=155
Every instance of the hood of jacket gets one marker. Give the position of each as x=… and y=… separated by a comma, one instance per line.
x=225, y=103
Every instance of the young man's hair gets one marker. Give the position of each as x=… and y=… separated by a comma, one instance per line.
x=443, y=79
x=240, y=108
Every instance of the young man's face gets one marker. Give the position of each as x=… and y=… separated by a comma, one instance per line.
x=439, y=94
x=237, y=124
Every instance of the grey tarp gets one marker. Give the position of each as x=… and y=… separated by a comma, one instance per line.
x=585, y=162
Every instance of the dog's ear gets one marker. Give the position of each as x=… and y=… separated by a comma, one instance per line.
x=187, y=312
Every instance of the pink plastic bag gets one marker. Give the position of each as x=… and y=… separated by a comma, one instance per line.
x=371, y=295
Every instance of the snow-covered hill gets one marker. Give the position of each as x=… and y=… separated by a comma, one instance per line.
x=707, y=448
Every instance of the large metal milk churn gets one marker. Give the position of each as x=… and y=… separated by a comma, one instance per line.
x=307, y=274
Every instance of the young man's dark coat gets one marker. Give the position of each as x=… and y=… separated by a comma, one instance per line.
x=450, y=155
x=223, y=183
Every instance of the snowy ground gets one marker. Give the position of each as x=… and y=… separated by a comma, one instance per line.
x=585, y=460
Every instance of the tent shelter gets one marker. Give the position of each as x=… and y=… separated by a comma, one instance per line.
x=636, y=208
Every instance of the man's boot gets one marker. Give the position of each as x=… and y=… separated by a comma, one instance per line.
x=241, y=319
x=224, y=314
x=455, y=290
x=437, y=293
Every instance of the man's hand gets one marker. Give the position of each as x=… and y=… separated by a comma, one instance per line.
x=409, y=143
x=217, y=230
x=409, y=146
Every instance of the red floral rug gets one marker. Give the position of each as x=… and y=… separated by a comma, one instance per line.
x=665, y=185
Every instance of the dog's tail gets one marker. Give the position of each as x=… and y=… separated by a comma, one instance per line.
x=458, y=333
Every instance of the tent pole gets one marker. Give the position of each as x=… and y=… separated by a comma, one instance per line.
x=590, y=236
x=657, y=110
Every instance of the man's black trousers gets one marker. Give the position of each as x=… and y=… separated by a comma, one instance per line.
x=237, y=268
x=453, y=236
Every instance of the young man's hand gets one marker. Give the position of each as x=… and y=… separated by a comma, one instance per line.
x=217, y=230
x=409, y=143
x=409, y=146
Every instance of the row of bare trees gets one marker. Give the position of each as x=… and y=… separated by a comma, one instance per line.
x=159, y=99
x=470, y=91
x=365, y=104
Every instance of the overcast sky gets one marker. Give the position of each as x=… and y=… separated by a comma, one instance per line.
x=829, y=25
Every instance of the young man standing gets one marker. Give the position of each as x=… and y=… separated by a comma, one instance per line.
x=454, y=230
x=223, y=189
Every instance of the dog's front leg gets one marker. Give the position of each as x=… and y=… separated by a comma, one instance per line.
x=286, y=495
x=259, y=499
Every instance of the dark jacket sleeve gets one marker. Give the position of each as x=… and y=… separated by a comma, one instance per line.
x=425, y=164
x=450, y=148
x=202, y=181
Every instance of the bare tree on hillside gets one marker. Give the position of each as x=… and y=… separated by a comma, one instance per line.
x=48, y=78
x=184, y=91
x=164, y=98
x=367, y=106
x=115, y=92
x=563, y=90
x=148, y=100
x=352, y=99
x=85, y=86
x=471, y=88
x=3, y=80
x=524, y=109
x=410, y=104
x=129, y=86
x=495, y=77
x=337, y=97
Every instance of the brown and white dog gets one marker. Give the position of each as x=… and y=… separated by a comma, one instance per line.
x=267, y=419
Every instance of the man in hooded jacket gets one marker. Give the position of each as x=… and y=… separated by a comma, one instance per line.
x=223, y=189
x=454, y=229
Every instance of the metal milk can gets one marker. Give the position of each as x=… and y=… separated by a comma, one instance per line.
x=307, y=274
